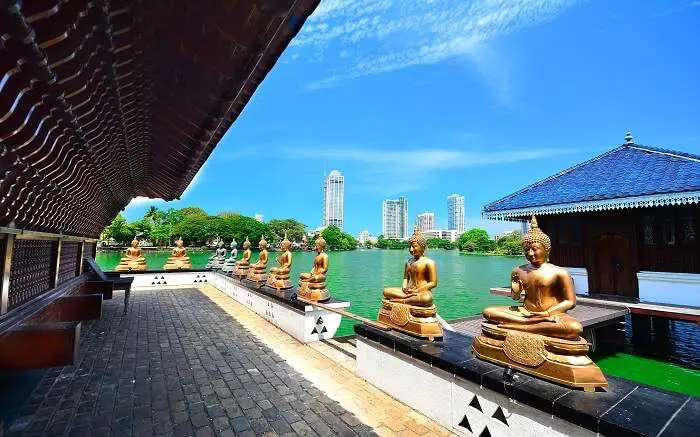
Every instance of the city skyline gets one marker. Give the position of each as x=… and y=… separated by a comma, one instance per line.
x=455, y=213
x=395, y=218
x=333, y=199
x=495, y=103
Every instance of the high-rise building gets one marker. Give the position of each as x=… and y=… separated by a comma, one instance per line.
x=362, y=237
x=455, y=213
x=395, y=218
x=333, y=193
x=426, y=221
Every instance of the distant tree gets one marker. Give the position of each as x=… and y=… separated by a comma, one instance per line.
x=295, y=230
x=337, y=239
x=119, y=230
x=475, y=240
x=193, y=210
x=509, y=244
x=440, y=243
x=381, y=242
x=239, y=227
x=152, y=214
x=227, y=214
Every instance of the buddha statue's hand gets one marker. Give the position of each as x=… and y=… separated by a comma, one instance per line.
x=544, y=315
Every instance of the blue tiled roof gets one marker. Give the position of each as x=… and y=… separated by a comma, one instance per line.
x=628, y=171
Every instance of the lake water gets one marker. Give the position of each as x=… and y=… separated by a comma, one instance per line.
x=668, y=358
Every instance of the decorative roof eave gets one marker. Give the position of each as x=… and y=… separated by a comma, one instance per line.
x=665, y=199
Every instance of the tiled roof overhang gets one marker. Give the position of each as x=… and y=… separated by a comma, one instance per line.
x=103, y=101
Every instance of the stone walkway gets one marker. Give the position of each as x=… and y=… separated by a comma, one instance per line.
x=179, y=365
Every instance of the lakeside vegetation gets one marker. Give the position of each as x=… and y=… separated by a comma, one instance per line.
x=199, y=229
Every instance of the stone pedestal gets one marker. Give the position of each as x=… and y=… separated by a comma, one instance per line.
x=419, y=321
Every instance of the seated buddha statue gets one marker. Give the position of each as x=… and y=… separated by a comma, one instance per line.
x=241, y=268
x=279, y=276
x=178, y=258
x=539, y=337
x=410, y=308
x=231, y=260
x=132, y=260
x=217, y=260
x=312, y=285
x=256, y=272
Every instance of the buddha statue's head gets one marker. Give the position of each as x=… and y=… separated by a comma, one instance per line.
x=221, y=244
x=320, y=244
x=135, y=243
x=246, y=243
x=179, y=243
x=417, y=244
x=536, y=244
x=285, y=244
x=233, y=243
x=262, y=245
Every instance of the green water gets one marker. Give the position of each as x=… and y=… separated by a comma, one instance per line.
x=463, y=291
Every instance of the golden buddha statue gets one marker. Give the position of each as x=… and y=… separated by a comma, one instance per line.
x=241, y=268
x=132, y=260
x=178, y=258
x=539, y=337
x=256, y=272
x=410, y=308
x=312, y=285
x=279, y=276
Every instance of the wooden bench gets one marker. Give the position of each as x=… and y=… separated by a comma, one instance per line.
x=45, y=332
x=119, y=283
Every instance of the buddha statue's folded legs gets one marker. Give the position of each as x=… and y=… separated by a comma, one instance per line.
x=559, y=325
x=421, y=299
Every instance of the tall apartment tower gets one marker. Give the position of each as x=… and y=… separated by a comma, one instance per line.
x=426, y=221
x=455, y=213
x=395, y=218
x=333, y=195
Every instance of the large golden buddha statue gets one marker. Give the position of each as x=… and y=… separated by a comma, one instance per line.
x=178, y=258
x=410, y=308
x=539, y=337
x=256, y=272
x=132, y=260
x=241, y=268
x=312, y=285
x=279, y=276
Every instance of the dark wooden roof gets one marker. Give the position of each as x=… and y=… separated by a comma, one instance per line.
x=105, y=100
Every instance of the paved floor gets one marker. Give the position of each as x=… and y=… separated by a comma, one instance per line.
x=177, y=365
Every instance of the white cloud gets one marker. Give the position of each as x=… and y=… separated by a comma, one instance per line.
x=365, y=37
x=140, y=201
x=392, y=172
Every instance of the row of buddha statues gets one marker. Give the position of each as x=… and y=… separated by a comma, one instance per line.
x=537, y=337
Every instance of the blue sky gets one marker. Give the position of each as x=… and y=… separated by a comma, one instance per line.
x=428, y=98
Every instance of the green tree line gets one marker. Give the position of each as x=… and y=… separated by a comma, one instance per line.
x=197, y=228
x=472, y=241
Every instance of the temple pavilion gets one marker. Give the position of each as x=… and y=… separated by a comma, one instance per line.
x=624, y=223
x=100, y=102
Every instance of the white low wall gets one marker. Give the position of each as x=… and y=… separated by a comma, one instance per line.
x=449, y=400
x=307, y=325
x=671, y=288
x=580, y=277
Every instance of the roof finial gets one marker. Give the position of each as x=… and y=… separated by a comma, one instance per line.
x=629, y=139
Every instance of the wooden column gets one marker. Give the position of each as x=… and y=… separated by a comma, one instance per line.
x=5, y=265
x=81, y=254
x=55, y=262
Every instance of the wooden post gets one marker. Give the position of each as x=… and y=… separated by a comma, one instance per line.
x=5, y=266
x=55, y=263
x=81, y=252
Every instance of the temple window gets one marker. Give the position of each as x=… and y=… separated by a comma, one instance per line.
x=688, y=230
x=668, y=231
x=648, y=230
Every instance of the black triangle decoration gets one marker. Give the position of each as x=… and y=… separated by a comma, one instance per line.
x=323, y=330
x=158, y=282
x=485, y=432
x=319, y=321
x=205, y=280
x=475, y=403
x=153, y=283
x=315, y=331
x=464, y=423
x=498, y=414
x=198, y=276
